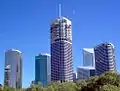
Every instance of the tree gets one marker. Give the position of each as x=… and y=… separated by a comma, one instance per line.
x=96, y=83
x=105, y=82
x=109, y=87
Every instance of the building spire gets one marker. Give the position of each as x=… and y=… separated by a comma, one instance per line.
x=59, y=10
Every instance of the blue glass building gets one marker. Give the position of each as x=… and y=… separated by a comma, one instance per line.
x=42, y=69
x=85, y=72
x=74, y=76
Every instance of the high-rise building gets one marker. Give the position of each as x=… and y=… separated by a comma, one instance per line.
x=88, y=57
x=61, y=50
x=13, y=69
x=74, y=76
x=43, y=69
x=105, y=58
x=85, y=72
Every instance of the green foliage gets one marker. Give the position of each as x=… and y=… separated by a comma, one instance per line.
x=109, y=87
x=98, y=83
x=105, y=82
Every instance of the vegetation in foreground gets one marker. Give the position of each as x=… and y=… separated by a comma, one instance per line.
x=105, y=82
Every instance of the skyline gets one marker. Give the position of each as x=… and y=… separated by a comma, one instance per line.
x=27, y=20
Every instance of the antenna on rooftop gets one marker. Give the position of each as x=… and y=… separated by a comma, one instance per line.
x=60, y=10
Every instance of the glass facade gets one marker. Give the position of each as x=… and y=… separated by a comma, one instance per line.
x=88, y=57
x=14, y=61
x=85, y=72
x=74, y=76
x=105, y=58
x=43, y=69
x=61, y=50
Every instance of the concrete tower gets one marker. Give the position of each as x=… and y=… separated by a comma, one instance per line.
x=105, y=58
x=61, y=49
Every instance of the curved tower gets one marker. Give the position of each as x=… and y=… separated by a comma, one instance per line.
x=88, y=57
x=105, y=58
x=13, y=68
x=61, y=50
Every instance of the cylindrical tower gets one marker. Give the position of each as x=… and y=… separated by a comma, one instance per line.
x=14, y=60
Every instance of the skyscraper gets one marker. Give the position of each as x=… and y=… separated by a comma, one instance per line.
x=88, y=57
x=42, y=69
x=85, y=72
x=61, y=50
x=105, y=58
x=13, y=68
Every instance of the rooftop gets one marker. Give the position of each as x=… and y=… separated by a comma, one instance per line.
x=91, y=50
x=45, y=54
x=86, y=67
x=61, y=18
x=106, y=43
x=14, y=50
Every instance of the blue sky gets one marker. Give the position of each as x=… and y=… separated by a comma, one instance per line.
x=25, y=25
